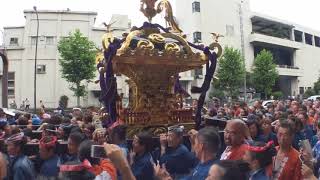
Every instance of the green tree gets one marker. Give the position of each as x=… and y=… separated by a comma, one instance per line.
x=316, y=87
x=77, y=62
x=216, y=90
x=277, y=95
x=231, y=71
x=249, y=79
x=264, y=72
x=308, y=93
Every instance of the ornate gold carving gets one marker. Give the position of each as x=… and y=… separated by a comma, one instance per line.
x=156, y=38
x=107, y=38
x=145, y=44
x=150, y=67
x=172, y=48
x=102, y=70
x=217, y=48
x=165, y=4
x=126, y=44
x=99, y=57
x=204, y=57
x=147, y=7
x=216, y=36
x=181, y=40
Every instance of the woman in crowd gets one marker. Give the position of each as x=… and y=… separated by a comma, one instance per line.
x=254, y=129
x=266, y=131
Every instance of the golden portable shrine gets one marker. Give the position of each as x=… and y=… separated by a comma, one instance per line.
x=152, y=58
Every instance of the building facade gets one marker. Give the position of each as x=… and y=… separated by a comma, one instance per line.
x=296, y=49
x=19, y=44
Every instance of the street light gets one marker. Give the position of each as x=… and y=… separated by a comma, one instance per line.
x=35, y=64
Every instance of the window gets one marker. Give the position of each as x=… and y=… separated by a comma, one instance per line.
x=49, y=40
x=33, y=40
x=308, y=38
x=301, y=90
x=297, y=36
x=230, y=30
x=317, y=41
x=11, y=83
x=14, y=41
x=41, y=38
x=196, y=6
x=184, y=85
x=198, y=73
x=197, y=37
x=41, y=69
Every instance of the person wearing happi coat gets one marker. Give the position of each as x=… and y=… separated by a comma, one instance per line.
x=234, y=138
x=286, y=164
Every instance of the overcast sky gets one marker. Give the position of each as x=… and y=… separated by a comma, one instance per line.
x=300, y=12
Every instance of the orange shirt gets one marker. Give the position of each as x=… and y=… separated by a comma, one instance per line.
x=292, y=168
x=104, y=165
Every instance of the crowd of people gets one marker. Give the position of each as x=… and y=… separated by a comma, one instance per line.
x=235, y=142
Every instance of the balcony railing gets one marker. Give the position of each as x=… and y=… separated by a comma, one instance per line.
x=262, y=38
x=288, y=67
x=285, y=70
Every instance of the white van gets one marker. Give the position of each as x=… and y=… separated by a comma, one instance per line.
x=313, y=98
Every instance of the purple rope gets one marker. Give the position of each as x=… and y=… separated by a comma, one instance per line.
x=108, y=83
x=206, y=85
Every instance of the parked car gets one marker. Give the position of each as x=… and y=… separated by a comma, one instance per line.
x=313, y=98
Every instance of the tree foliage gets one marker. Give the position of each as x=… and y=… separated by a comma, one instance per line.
x=77, y=61
x=249, y=79
x=316, y=87
x=277, y=95
x=216, y=90
x=231, y=71
x=308, y=93
x=264, y=72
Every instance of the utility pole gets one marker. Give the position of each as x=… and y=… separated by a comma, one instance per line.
x=35, y=65
x=243, y=50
